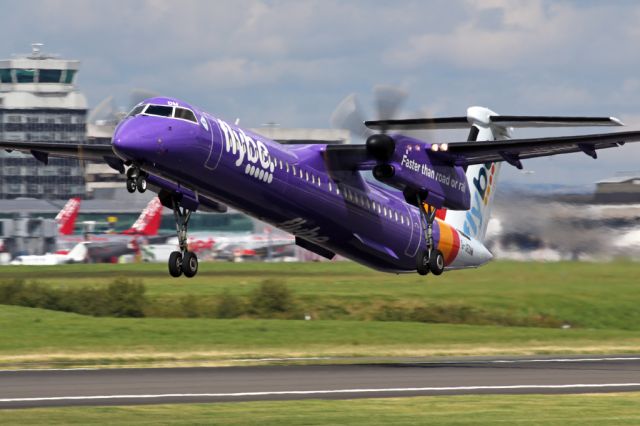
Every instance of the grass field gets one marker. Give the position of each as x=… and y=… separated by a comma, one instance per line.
x=610, y=409
x=600, y=302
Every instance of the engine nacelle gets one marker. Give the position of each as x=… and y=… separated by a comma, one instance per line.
x=381, y=146
x=415, y=168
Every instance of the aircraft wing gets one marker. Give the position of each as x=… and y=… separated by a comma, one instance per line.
x=514, y=150
x=42, y=150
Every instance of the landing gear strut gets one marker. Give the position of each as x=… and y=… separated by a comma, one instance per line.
x=183, y=261
x=431, y=259
x=136, y=180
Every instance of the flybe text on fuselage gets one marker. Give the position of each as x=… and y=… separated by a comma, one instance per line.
x=244, y=147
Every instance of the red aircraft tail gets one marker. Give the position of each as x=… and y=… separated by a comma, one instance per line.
x=148, y=222
x=66, y=218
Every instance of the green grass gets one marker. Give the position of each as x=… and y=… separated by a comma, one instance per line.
x=45, y=336
x=602, y=409
x=589, y=295
x=600, y=301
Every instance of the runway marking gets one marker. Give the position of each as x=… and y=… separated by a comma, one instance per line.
x=321, y=392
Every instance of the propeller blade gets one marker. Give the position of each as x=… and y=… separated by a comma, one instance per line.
x=388, y=100
x=138, y=95
x=348, y=115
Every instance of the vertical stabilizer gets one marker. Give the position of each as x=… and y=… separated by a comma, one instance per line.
x=149, y=220
x=66, y=218
x=481, y=178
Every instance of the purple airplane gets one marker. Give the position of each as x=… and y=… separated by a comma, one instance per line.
x=428, y=213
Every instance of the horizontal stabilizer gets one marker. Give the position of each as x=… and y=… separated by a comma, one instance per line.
x=552, y=121
x=449, y=123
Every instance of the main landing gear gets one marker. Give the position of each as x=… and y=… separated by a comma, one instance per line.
x=136, y=180
x=431, y=259
x=183, y=261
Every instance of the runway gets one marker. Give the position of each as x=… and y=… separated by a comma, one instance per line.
x=394, y=378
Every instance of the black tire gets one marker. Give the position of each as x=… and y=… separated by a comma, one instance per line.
x=175, y=264
x=436, y=262
x=141, y=183
x=422, y=262
x=131, y=186
x=190, y=264
x=131, y=173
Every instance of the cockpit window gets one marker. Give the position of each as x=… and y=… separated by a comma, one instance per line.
x=137, y=110
x=161, y=110
x=185, y=114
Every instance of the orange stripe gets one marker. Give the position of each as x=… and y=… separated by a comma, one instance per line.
x=449, y=243
x=446, y=240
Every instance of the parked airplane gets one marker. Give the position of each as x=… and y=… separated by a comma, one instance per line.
x=146, y=225
x=77, y=254
x=316, y=192
x=66, y=218
x=108, y=247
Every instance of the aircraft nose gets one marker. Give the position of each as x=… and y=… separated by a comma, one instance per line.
x=135, y=141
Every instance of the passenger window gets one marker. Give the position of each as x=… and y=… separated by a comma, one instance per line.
x=185, y=114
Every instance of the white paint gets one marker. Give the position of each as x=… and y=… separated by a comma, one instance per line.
x=322, y=392
x=523, y=361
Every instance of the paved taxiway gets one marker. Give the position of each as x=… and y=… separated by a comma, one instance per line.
x=31, y=388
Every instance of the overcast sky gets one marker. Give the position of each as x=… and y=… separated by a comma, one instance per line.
x=291, y=62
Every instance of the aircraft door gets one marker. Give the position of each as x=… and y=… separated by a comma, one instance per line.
x=215, y=137
x=415, y=233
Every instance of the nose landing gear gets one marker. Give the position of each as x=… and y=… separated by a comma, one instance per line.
x=183, y=261
x=431, y=259
x=136, y=180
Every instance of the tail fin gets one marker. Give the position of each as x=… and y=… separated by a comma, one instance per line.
x=78, y=253
x=481, y=178
x=66, y=218
x=149, y=220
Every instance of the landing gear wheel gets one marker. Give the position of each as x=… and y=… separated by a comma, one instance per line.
x=141, y=183
x=131, y=173
x=183, y=261
x=175, y=264
x=430, y=259
x=190, y=264
x=422, y=263
x=436, y=262
x=131, y=186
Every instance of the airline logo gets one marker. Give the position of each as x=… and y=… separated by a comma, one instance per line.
x=66, y=218
x=149, y=220
x=484, y=185
x=259, y=163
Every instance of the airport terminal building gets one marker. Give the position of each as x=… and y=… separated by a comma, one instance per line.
x=39, y=102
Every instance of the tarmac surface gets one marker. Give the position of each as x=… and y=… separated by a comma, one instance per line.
x=382, y=378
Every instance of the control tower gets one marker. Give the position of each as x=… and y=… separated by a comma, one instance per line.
x=40, y=102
